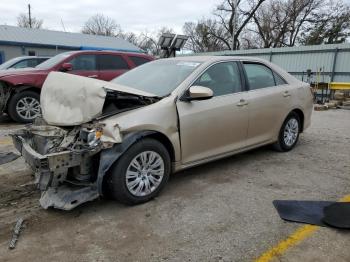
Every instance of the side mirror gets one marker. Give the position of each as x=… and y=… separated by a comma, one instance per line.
x=66, y=67
x=199, y=93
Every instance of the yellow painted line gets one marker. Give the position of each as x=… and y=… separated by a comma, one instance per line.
x=296, y=237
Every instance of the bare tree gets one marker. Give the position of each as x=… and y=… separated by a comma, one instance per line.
x=130, y=37
x=23, y=21
x=202, y=36
x=329, y=26
x=234, y=15
x=101, y=25
x=280, y=23
x=149, y=41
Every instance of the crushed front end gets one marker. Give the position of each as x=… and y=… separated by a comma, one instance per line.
x=64, y=160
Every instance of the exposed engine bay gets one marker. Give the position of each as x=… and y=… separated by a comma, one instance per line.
x=117, y=102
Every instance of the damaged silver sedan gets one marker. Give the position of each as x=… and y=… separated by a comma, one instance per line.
x=127, y=136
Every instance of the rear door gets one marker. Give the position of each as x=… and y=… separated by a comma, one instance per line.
x=269, y=102
x=216, y=126
x=84, y=65
x=110, y=66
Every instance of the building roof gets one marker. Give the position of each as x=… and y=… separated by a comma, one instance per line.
x=41, y=37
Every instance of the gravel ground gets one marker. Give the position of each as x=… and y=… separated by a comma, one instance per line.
x=220, y=211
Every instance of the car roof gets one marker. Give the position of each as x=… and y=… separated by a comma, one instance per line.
x=29, y=57
x=107, y=52
x=217, y=58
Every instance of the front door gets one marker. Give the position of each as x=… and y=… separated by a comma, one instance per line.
x=218, y=125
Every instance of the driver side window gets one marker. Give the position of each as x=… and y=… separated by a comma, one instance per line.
x=223, y=78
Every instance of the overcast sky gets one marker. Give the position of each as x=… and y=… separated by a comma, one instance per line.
x=132, y=15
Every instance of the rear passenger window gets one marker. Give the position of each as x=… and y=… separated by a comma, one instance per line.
x=259, y=76
x=84, y=62
x=137, y=60
x=222, y=78
x=279, y=80
x=112, y=62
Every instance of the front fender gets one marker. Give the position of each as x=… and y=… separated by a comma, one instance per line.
x=109, y=156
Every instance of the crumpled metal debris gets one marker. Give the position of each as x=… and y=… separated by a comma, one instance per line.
x=6, y=157
x=16, y=232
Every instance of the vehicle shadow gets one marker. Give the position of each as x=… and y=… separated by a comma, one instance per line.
x=221, y=171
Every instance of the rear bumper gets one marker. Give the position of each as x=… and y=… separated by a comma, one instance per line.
x=51, y=172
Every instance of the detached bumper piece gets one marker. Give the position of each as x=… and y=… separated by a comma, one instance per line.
x=51, y=172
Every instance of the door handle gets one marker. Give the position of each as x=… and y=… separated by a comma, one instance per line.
x=286, y=94
x=93, y=76
x=242, y=102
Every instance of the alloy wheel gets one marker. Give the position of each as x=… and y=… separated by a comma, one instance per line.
x=291, y=131
x=145, y=173
x=28, y=108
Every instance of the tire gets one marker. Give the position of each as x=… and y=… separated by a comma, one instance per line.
x=23, y=100
x=291, y=126
x=124, y=176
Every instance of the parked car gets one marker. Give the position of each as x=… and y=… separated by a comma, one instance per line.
x=20, y=89
x=23, y=62
x=126, y=136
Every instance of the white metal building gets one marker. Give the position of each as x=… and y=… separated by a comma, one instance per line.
x=17, y=41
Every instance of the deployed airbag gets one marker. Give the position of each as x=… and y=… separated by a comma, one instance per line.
x=68, y=100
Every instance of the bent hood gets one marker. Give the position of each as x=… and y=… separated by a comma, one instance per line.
x=68, y=100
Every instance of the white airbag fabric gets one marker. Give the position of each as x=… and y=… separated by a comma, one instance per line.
x=68, y=99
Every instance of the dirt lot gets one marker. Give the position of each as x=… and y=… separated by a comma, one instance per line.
x=221, y=211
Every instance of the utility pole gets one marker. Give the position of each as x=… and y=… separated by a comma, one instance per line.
x=235, y=21
x=29, y=16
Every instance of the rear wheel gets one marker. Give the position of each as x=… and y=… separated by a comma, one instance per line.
x=289, y=133
x=24, y=107
x=140, y=173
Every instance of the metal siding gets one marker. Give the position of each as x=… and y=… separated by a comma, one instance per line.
x=300, y=58
x=343, y=62
x=15, y=51
x=341, y=78
x=11, y=52
x=301, y=62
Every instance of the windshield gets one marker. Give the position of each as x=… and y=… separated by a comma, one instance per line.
x=9, y=63
x=53, y=61
x=159, y=77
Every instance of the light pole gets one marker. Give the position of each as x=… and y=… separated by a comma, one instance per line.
x=29, y=17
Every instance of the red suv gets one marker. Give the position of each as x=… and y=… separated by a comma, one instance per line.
x=20, y=89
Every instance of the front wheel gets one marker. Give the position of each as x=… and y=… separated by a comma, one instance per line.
x=289, y=133
x=24, y=107
x=140, y=173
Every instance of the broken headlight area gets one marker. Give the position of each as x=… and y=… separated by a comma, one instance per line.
x=64, y=160
x=91, y=136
